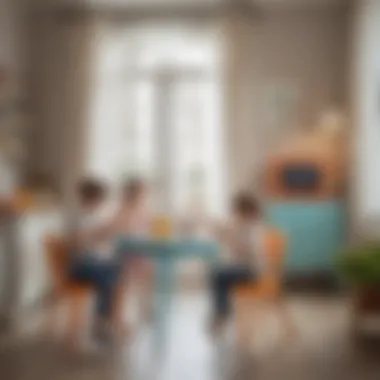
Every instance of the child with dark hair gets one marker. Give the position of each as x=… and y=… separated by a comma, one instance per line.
x=93, y=260
x=134, y=219
x=133, y=216
x=244, y=238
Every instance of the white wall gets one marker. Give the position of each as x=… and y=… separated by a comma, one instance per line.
x=306, y=49
x=366, y=101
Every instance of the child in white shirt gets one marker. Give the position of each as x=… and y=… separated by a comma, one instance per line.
x=134, y=219
x=244, y=237
x=93, y=260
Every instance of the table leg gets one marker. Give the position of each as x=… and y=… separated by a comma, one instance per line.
x=163, y=297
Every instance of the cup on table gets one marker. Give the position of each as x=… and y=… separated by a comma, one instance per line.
x=163, y=227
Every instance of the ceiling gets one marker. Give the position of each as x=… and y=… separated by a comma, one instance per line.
x=292, y=3
x=157, y=3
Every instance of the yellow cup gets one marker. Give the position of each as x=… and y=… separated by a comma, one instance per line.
x=162, y=227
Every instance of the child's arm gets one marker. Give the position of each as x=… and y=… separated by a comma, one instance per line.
x=116, y=224
x=222, y=232
x=95, y=231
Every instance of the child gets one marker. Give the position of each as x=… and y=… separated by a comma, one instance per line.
x=93, y=260
x=134, y=220
x=244, y=237
x=134, y=217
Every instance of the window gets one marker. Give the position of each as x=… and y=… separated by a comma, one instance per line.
x=156, y=112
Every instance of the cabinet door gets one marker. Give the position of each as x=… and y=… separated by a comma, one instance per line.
x=316, y=231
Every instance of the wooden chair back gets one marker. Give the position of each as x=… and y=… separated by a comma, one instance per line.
x=57, y=257
x=275, y=247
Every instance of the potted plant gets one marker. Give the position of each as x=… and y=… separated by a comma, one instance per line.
x=360, y=266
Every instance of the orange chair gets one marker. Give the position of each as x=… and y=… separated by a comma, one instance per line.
x=70, y=291
x=269, y=288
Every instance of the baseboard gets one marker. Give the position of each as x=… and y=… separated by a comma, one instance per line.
x=313, y=281
x=306, y=282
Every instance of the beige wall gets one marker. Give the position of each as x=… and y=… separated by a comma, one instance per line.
x=11, y=124
x=8, y=33
x=307, y=49
x=12, y=60
x=60, y=61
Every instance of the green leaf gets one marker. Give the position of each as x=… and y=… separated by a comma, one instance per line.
x=361, y=264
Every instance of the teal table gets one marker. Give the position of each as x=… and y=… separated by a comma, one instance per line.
x=165, y=254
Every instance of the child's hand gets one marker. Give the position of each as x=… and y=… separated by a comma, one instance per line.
x=220, y=230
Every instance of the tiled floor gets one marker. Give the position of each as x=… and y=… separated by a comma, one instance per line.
x=323, y=351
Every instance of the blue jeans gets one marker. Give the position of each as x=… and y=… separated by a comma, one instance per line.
x=223, y=280
x=102, y=275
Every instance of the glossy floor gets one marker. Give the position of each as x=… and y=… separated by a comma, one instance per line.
x=324, y=350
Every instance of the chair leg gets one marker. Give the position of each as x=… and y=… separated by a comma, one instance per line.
x=244, y=316
x=118, y=317
x=77, y=313
x=145, y=286
x=286, y=318
x=49, y=324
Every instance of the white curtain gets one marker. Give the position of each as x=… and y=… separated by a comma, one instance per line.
x=144, y=71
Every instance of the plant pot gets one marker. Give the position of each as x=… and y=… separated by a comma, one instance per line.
x=367, y=299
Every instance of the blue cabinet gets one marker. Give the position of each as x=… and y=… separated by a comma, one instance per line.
x=316, y=231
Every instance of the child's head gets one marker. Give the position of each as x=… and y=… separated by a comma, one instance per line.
x=92, y=193
x=134, y=191
x=245, y=207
